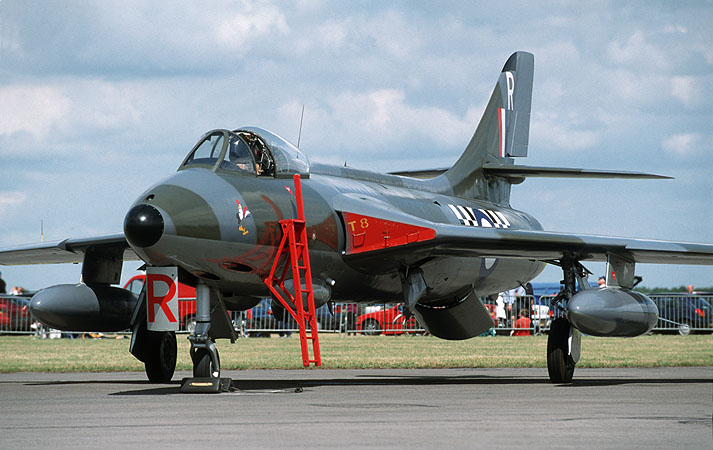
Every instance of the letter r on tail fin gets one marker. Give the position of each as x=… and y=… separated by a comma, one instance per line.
x=515, y=85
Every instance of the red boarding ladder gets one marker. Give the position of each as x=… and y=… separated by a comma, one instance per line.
x=294, y=243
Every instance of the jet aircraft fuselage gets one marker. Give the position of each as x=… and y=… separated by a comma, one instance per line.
x=221, y=225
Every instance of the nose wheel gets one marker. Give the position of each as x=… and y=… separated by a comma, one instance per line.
x=206, y=368
x=206, y=361
x=203, y=364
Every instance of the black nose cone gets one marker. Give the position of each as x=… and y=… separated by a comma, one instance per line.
x=143, y=226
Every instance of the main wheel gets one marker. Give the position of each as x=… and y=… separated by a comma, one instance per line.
x=203, y=364
x=560, y=365
x=161, y=356
x=370, y=327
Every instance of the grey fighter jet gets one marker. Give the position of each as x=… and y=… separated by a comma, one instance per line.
x=437, y=244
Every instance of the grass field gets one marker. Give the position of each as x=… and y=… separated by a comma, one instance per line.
x=30, y=354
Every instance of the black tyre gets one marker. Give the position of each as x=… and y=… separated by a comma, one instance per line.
x=161, y=354
x=560, y=365
x=370, y=327
x=203, y=364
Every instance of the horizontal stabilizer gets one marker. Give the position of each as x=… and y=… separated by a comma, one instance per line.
x=422, y=174
x=515, y=171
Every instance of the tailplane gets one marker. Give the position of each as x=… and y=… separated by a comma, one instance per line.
x=486, y=169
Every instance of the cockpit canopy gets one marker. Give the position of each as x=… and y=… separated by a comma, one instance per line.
x=248, y=150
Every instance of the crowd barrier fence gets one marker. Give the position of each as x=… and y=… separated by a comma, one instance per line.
x=678, y=313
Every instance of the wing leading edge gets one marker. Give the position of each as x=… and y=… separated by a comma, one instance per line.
x=66, y=251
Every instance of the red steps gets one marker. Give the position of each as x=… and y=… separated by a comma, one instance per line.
x=294, y=244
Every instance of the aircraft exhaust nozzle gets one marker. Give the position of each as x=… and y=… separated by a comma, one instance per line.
x=80, y=307
x=612, y=312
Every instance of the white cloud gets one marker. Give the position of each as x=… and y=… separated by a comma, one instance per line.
x=688, y=144
x=9, y=203
x=555, y=131
x=693, y=92
x=389, y=32
x=331, y=35
x=675, y=29
x=634, y=89
x=683, y=89
x=252, y=23
x=60, y=111
x=385, y=117
x=638, y=52
x=35, y=110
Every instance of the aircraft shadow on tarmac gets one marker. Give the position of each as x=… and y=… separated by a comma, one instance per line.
x=298, y=385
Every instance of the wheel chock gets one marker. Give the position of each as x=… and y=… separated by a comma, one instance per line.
x=208, y=385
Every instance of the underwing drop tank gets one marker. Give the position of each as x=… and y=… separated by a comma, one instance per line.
x=612, y=312
x=82, y=307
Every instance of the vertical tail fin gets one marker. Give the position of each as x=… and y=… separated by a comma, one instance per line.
x=502, y=133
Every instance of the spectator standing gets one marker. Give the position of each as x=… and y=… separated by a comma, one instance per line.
x=518, y=303
x=509, y=297
x=3, y=286
x=500, y=311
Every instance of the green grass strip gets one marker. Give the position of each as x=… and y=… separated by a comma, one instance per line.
x=30, y=354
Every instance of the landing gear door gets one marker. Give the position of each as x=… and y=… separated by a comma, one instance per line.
x=162, y=298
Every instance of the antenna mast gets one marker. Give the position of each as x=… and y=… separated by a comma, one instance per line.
x=299, y=136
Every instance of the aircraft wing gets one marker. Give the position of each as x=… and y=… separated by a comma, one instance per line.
x=66, y=251
x=528, y=244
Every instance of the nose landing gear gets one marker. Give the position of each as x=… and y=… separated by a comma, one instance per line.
x=204, y=354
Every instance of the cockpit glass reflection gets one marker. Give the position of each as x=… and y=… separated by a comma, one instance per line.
x=209, y=150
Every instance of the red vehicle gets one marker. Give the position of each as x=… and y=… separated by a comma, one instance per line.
x=186, y=301
x=387, y=321
x=14, y=313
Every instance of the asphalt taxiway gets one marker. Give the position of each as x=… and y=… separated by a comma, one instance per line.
x=441, y=408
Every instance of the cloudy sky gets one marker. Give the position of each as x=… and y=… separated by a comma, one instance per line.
x=99, y=100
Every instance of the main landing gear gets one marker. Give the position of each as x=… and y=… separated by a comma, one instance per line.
x=560, y=358
x=564, y=341
x=161, y=356
x=156, y=349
